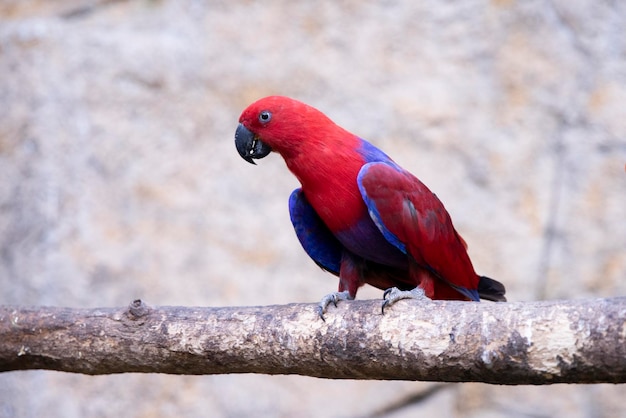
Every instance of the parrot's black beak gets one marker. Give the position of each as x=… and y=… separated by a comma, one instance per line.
x=249, y=146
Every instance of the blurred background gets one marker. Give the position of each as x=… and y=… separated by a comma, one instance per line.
x=119, y=177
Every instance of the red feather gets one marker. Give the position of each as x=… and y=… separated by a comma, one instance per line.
x=412, y=213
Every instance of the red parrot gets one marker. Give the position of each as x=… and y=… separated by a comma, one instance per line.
x=358, y=214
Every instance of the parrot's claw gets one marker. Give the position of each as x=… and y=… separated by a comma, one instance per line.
x=393, y=294
x=331, y=298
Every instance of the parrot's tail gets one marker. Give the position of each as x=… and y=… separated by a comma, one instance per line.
x=490, y=289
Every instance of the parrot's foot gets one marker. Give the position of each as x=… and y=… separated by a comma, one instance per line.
x=393, y=294
x=332, y=298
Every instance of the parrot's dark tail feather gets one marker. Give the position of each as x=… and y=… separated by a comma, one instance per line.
x=490, y=289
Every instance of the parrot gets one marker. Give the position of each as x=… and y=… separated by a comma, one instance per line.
x=358, y=214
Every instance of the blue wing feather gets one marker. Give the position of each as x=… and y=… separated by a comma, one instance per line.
x=374, y=213
x=316, y=239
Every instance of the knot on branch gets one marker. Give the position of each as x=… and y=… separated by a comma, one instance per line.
x=137, y=309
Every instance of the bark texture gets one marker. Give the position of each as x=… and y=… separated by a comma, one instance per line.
x=580, y=341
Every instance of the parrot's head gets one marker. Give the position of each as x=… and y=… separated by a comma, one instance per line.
x=281, y=124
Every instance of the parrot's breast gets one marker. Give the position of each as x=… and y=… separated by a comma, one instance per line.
x=329, y=183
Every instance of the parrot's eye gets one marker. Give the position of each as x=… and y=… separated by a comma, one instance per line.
x=265, y=116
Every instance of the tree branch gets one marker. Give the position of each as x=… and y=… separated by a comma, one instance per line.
x=581, y=341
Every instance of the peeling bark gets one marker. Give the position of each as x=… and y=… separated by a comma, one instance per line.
x=581, y=341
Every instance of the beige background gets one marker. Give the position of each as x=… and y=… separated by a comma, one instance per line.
x=119, y=178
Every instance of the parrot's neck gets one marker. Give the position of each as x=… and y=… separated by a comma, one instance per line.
x=328, y=175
